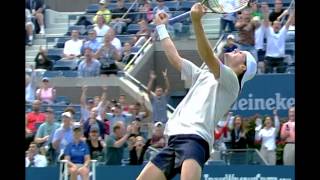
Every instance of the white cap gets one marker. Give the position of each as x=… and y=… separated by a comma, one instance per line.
x=67, y=114
x=102, y=2
x=230, y=36
x=158, y=124
x=220, y=124
x=251, y=68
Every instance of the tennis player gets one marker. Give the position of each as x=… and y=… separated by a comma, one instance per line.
x=214, y=89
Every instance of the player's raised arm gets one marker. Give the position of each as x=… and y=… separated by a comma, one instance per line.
x=204, y=48
x=170, y=50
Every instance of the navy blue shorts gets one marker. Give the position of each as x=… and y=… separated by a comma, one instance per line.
x=181, y=147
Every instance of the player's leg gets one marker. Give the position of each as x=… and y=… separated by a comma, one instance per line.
x=151, y=171
x=191, y=170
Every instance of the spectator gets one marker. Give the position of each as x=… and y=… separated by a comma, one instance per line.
x=268, y=136
x=238, y=134
x=45, y=132
x=276, y=37
x=78, y=156
x=72, y=47
x=136, y=111
x=160, y=7
x=117, y=115
x=103, y=11
x=42, y=61
x=107, y=56
x=93, y=122
x=100, y=103
x=227, y=21
x=221, y=133
x=114, y=40
x=33, y=158
x=145, y=12
x=83, y=21
x=246, y=32
x=101, y=28
x=143, y=34
x=159, y=100
x=288, y=135
x=36, y=8
x=119, y=22
x=278, y=10
x=86, y=105
x=116, y=143
x=92, y=42
x=259, y=44
x=63, y=135
x=29, y=28
x=157, y=139
x=255, y=10
x=46, y=93
x=230, y=46
x=124, y=105
x=89, y=67
x=136, y=128
x=138, y=151
x=33, y=120
x=95, y=144
x=31, y=85
x=126, y=54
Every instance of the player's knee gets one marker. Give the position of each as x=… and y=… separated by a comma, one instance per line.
x=84, y=172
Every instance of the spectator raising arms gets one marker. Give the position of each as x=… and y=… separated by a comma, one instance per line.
x=46, y=93
x=31, y=85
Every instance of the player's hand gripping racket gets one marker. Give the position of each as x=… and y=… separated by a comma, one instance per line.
x=216, y=6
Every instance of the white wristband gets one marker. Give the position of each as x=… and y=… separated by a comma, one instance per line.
x=162, y=31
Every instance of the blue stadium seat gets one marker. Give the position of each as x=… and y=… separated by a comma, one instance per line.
x=62, y=100
x=81, y=28
x=51, y=74
x=172, y=5
x=61, y=41
x=92, y=8
x=69, y=73
x=124, y=38
x=133, y=28
x=65, y=65
x=186, y=5
x=112, y=6
x=55, y=54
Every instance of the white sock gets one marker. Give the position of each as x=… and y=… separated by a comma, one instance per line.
x=30, y=38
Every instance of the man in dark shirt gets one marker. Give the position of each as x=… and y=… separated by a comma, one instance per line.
x=118, y=22
x=278, y=10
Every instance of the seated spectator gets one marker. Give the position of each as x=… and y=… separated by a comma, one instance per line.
x=126, y=54
x=120, y=22
x=93, y=122
x=238, y=134
x=288, y=134
x=89, y=67
x=31, y=85
x=103, y=11
x=101, y=28
x=278, y=10
x=276, y=37
x=78, y=156
x=46, y=93
x=114, y=40
x=230, y=46
x=143, y=34
x=95, y=144
x=33, y=120
x=255, y=12
x=160, y=7
x=159, y=100
x=116, y=143
x=45, y=133
x=268, y=136
x=36, y=8
x=117, y=115
x=42, y=61
x=145, y=12
x=72, y=47
x=92, y=42
x=63, y=135
x=138, y=151
x=33, y=158
x=157, y=139
x=108, y=55
x=29, y=28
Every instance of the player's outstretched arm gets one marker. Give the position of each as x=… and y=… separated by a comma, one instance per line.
x=170, y=50
x=204, y=48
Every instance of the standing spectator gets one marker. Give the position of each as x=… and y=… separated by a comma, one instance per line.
x=119, y=23
x=116, y=143
x=126, y=54
x=85, y=104
x=101, y=28
x=72, y=47
x=103, y=11
x=114, y=40
x=95, y=144
x=160, y=7
x=29, y=28
x=31, y=85
x=92, y=42
x=89, y=67
x=157, y=139
x=246, y=32
x=288, y=135
x=238, y=134
x=276, y=37
x=221, y=134
x=278, y=10
x=268, y=136
x=138, y=151
x=117, y=115
x=123, y=103
x=227, y=21
x=159, y=100
x=78, y=156
x=42, y=61
x=36, y=7
x=33, y=158
x=46, y=93
x=93, y=122
x=259, y=44
x=137, y=112
x=107, y=56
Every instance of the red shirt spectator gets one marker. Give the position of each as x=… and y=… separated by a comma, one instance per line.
x=35, y=117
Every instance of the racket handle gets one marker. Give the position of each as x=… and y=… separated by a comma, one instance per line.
x=179, y=18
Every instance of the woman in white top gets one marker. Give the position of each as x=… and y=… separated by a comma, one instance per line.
x=267, y=135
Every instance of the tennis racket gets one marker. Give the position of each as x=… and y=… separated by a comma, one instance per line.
x=216, y=6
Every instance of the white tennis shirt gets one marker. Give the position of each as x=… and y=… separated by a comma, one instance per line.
x=206, y=102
